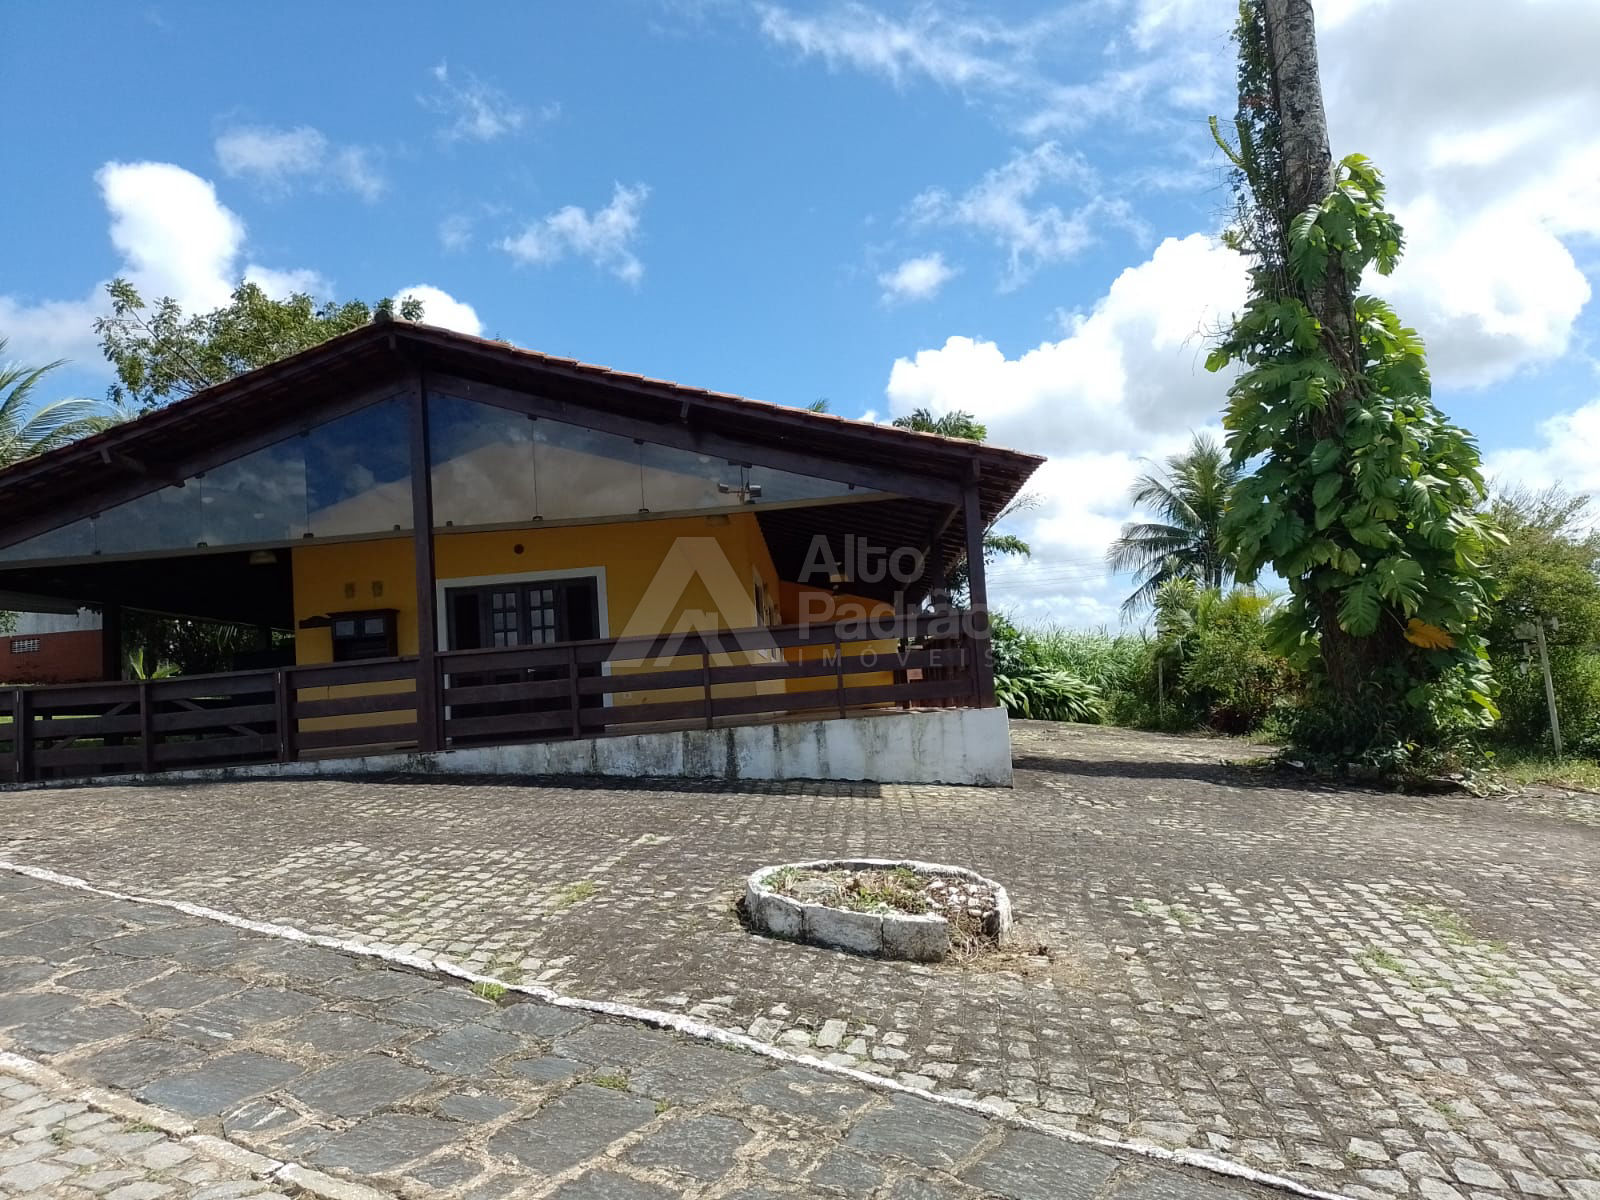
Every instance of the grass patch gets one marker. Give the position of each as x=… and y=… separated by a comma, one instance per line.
x=1452, y=927
x=617, y=1083
x=573, y=893
x=899, y=888
x=1383, y=960
x=662, y=1106
x=896, y=889
x=783, y=879
x=1185, y=917
x=1526, y=768
x=487, y=989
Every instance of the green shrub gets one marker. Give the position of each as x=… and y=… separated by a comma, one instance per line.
x=1031, y=682
x=1206, y=666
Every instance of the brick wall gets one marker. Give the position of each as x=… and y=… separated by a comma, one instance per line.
x=59, y=658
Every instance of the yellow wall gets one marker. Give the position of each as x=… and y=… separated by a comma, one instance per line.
x=678, y=575
x=682, y=574
x=798, y=603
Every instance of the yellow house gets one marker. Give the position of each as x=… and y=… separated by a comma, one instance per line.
x=464, y=545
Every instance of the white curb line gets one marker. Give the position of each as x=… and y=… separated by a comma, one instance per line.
x=684, y=1025
x=178, y=1127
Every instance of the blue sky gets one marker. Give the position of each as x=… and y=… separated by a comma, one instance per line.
x=1009, y=208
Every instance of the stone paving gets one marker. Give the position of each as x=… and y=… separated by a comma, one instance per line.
x=1373, y=994
x=54, y=1144
x=334, y=1066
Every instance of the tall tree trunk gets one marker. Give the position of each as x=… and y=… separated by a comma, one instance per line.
x=1308, y=179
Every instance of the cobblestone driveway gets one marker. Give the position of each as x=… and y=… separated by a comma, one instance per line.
x=318, y=1061
x=1374, y=994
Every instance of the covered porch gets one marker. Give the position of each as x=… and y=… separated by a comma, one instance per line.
x=454, y=544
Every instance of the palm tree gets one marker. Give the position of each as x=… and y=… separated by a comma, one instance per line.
x=26, y=430
x=1185, y=541
x=959, y=424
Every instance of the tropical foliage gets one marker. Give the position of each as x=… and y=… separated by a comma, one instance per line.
x=1028, y=685
x=1548, y=569
x=1184, y=541
x=160, y=354
x=1207, y=666
x=1360, y=495
x=1213, y=651
x=29, y=427
x=960, y=424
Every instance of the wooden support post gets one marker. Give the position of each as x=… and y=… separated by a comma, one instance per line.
x=705, y=674
x=978, y=597
x=430, y=718
x=937, y=569
x=838, y=663
x=22, y=734
x=572, y=691
x=283, y=694
x=111, y=642
x=147, y=729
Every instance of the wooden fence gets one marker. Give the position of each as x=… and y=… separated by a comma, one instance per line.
x=485, y=697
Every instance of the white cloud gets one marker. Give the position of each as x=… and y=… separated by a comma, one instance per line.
x=43, y=331
x=439, y=307
x=279, y=158
x=949, y=51
x=174, y=237
x=604, y=237
x=270, y=153
x=918, y=278
x=455, y=232
x=1565, y=454
x=1002, y=207
x=280, y=285
x=1031, y=72
x=1494, y=168
x=1128, y=370
x=1126, y=382
x=1490, y=147
x=474, y=110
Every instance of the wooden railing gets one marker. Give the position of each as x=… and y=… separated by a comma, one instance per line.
x=486, y=697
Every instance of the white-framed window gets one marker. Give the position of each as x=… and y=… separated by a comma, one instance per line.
x=25, y=645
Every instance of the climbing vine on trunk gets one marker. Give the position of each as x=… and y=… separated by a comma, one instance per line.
x=1360, y=494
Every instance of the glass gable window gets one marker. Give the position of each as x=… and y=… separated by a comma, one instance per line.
x=70, y=541
x=585, y=472
x=346, y=477
x=358, y=472
x=164, y=520
x=481, y=464
x=258, y=498
x=491, y=466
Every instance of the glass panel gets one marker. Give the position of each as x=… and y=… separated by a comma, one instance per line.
x=767, y=485
x=358, y=472
x=70, y=541
x=482, y=463
x=491, y=466
x=585, y=473
x=679, y=479
x=258, y=498
x=164, y=520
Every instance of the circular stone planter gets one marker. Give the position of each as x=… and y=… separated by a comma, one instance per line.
x=913, y=937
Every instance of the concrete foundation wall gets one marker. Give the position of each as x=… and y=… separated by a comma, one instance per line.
x=959, y=745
